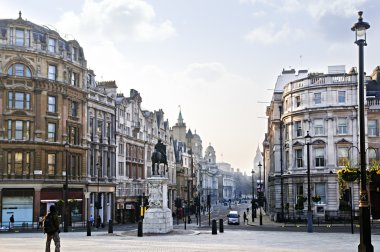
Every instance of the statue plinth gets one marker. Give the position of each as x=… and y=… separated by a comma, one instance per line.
x=158, y=218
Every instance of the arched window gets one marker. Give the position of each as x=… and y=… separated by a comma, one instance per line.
x=19, y=69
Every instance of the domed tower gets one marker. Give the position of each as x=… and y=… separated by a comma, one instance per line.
x=210, y=156
x=197, y=145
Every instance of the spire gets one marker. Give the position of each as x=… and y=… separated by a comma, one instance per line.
x=19, y=15
x=180, y=118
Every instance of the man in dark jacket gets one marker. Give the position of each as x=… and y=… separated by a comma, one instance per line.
x=53, y=230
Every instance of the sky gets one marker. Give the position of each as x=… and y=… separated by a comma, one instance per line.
x=216, y=60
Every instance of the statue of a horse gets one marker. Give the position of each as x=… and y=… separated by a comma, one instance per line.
x=157, y=159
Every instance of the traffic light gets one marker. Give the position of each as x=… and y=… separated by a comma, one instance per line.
x=209, y=200
x=146, y=202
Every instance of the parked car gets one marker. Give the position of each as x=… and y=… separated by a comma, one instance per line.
x=233, y=218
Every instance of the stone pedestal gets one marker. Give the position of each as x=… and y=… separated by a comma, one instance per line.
x=158, y=218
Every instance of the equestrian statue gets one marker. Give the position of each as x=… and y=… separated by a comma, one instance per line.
x=159, y=157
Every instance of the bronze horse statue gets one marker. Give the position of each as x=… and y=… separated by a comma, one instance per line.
x=159, y=157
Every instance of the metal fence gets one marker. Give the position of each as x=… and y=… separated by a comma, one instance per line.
x=29, y=226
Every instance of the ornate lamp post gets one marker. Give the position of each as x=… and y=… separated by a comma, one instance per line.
x=360, y=28
x=66, y=205
x=309, y=212
x=260, y=195
x=253, y=197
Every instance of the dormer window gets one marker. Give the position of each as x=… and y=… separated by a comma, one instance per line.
x=20, y=37
x=74, y=54
x=51, y=45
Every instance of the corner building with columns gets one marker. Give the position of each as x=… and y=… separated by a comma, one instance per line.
x=43, y=106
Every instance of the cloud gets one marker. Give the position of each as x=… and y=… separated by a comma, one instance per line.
x=271, y=34
x=117, y=20
x=316, y=8
x=209, y=72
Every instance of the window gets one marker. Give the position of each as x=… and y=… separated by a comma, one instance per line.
x=21, y=130
x=18, y=100
x=52, y=104
x=9, y=163
x=372, y=155
x=20, y=37
x=18, y=130
x=100, y=131
x=121, y=169
x=319, y=157
x=286, y=159
x=342, y=126
x=298, y=101
x=299, y=156
x=51, y=164
x=52, y=72
x=27, y=163
x=342, y=156
x=73, y=134
x=341, y=96
x=317, y=98
x=9, y=129
x=121, y=149
x=91, y=128
x=74, y=109
x=19, y=69
x=74, y=79
x=74, y=54
x=18, y=163
x=51, y=45
x=51, y=132
x=320, y=189
x=318, y=127
x=372, y=127
x=298, y=128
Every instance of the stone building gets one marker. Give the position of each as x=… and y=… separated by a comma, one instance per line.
x=43, y=104
x=325, y=106
x=101, y=153
x=136, y=135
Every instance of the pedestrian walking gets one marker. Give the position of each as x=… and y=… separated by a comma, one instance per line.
x=245, y=217
x=91, y=220
x=98, y=221
x=11, y=221
x=51, y=228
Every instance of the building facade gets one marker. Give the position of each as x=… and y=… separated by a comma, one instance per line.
x=43, y=101
x=325, y=107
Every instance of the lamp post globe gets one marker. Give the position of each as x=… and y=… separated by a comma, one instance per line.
x=360, y=28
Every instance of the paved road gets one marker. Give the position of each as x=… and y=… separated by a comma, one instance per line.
x=189, y=240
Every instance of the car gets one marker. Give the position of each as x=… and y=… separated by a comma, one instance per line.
x=233, y=218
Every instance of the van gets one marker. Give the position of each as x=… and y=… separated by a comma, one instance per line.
x=233, y=217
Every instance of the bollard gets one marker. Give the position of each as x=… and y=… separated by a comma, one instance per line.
x=140, y=229
x=221, y=228
x=110, y=227
x=214, y=227
x=88, y=228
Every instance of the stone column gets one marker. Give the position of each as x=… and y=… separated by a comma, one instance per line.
x=158, y=218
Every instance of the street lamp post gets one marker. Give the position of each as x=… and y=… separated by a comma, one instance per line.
x=66, y=205
x=309, y=212
x=260, y=196
x=360, y=28
x=253, y=197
